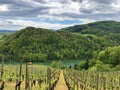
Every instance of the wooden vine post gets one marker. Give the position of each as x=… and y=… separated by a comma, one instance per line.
x=19, y=81
x=49, y=77
x=97, y=82
x=27, y=87
x=20, y=73
x=2, y=67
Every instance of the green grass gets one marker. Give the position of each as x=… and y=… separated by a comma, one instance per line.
x=64, y=62
x=2, y=34
x=34, y=68
x=70, y=62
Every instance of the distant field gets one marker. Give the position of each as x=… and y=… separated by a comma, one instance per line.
x=48, y=63
x=14, y=68
x=2, y=34
x=64, y=62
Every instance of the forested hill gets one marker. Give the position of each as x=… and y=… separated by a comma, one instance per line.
x=38, y=44
x=99, y=28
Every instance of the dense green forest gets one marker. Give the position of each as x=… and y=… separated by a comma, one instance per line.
x=84, y=42
x=108, y=59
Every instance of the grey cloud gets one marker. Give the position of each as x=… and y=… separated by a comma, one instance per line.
x=90, y=16
x=71, y=15
x=19, y=2
x=40, y=1
x=34, y=12
x=77, y=0
x=63, y=1
x=22, y=8
x=100, y=6
x=1, y=25
x=6, y=1
x=103, y=1
x=86, y=11
x=10, y=22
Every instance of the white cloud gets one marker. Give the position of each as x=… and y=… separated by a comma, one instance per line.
x=52, y=17
x=56, y=7
x=4, y=8
x=87, y=21
x=24, y=23
x=19, y=24
x=88, y=5
x=15, y=15
x=116, y=5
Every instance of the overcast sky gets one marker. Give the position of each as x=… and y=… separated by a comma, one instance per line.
x=55, y=14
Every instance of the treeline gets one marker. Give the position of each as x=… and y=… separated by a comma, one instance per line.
x=108, y=59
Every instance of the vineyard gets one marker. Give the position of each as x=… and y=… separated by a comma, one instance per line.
x=28, y=81
x=37, y=77
x=83, y=80
x=27, y=76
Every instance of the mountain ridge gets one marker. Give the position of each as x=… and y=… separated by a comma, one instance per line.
x=99, y=27
x=2, y=31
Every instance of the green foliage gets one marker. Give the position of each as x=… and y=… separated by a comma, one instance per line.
x=32, y=42
x=57, y=64
x=83, y=65
x=97, y=65
x=35, y=57
x=110, y=55
x=117, y=67
x=37, y=44
x=108, y=59
x=4, y=35
x=92, y=62
x=99, y=28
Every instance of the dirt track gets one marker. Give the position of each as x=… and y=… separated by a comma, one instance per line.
x=61, y=85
